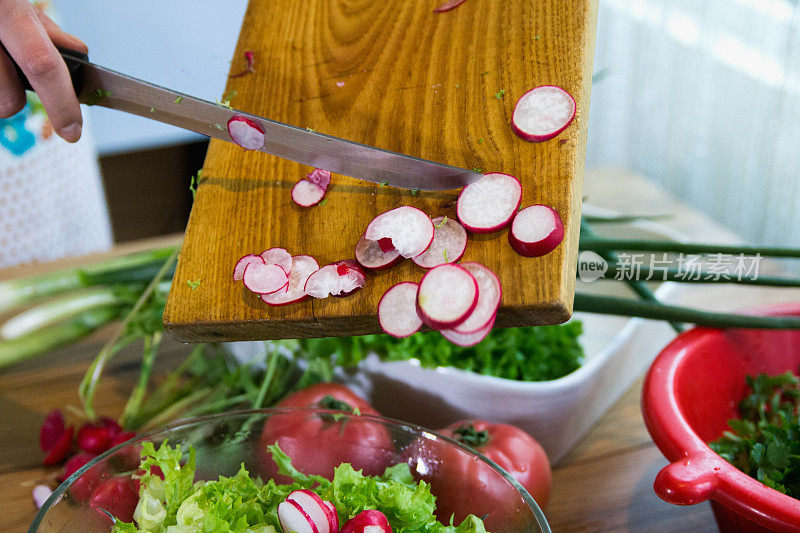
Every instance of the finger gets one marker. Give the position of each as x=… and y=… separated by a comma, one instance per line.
x=59, y=36
x=27, y=42
x=12, y=97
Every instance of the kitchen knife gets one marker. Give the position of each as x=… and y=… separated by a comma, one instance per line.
x=96, y=85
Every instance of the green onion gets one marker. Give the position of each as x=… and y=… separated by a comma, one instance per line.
x=600, y=244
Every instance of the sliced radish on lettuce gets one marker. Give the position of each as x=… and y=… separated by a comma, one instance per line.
x=333, y=516
x=537, y=230
x=397, y=310
x=262, y=278
x=408, y=230
x=246, y=133
x=320, y=177
x=449, y=243
x=302, y=267
x=306, y=193
x=337, y=279
x=293, y=518
x=313, y=506
x=489, y=294
x=278, y=256
x=447, y=295
x=542, y=113
x=369, y=521
x=467, y=339
x=369, y=255
x=489, y=204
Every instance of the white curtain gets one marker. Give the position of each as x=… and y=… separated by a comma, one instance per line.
x=703, y=96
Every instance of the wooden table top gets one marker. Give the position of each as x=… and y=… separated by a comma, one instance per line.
x=604, y=484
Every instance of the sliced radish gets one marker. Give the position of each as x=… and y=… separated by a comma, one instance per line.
x=369, y=521
x=537, y=230
x=40, y=495
x=467, y=339
x=542, y=113
x=302, y=267
x=293, y=518
x=449, y=5
x=333, y=517
x=449, y=243
x=369, y=255
x=262, y=278
x=306, y=193
x=238, y=270
x=278, y=256
x=489, y=294
x=397, y=310
x=408, y=229
x=246, y=133
x=320, y=177
x=489, y=204
x=314, y=507
x=337, y=279
x=447, y=295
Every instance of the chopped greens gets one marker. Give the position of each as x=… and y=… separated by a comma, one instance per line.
x=96, y=96
x=323, y=202
x=179, y=99
x=442, y=223
x=193, y=284
x=500, y=94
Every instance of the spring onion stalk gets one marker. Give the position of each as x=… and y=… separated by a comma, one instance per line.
x=600, y=244
x=150, y=350
x=609, y=305
x=52, y=337
x=265, y=384
x=621, y=219
x=703, y=276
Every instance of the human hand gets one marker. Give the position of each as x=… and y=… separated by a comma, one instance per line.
x=30, y=37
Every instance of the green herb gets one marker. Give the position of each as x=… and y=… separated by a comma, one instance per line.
x=194, y=182
x=764, y=442
x=152, y=109
x=444, y=253
x=500, y=94
x=478, y=170
x=414, y=192
x=537, y=37
x=218, y=126
x=442, y=223
x=484, y=73
x=383, y=184
x=179, y=99
x=357, y=411
x=96, y=96
x=226, y=99
x=458, y=85
x=480, y=141
x=193, y=284
x=310, y=130
x=323, y=202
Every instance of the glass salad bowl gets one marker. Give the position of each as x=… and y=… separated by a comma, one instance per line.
x=463, y=481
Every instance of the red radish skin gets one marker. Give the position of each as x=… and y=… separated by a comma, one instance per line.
x=293, y=518
x=369, y=255
x=306, y=193
x=449, y=243
x=52, y=428
x=246, y=133
x=410, y=230
x=264, y=279
x=386, y=245
x=241, y=264
x=117, y=497
x=397, y=310
x=447, y=295
x=314, y=507
x=489, y=295
x=278, y=256
x=320, y=177
x=333, y=517
x=369, y=521
x=60, y=449
x=537, y=230
x=248, y=69
x=327, y=281
x=542, y=113
x=81, y=489
x=302, y=267
x=489, y=204
x=93, y=439
x=448, y=6
x=467, y=339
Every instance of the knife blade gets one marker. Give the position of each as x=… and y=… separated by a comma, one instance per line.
x=96, y=85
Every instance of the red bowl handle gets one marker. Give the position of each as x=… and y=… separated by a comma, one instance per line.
x=688, y=481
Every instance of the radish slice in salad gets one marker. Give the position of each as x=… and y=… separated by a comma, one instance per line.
x=369, y=255
x=542, y=113
x=238, y=270
x=408, y=229
x=397, y=310
x=467, y=339
x=489, y=294
x=305, y=193
x=333, y=516
x=537, y=230
x=447, y=295
x=302, y=267
x=264, y=279
x=489, y=204
x=314, y=507
x=245, y=132
x=294, y=518
x=449, y=243
x=337, y=279
x=369, y=521
x=278, y=256
x=449, y=5
x=320, y=177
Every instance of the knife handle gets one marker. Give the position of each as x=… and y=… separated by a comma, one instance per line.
x=74, y=61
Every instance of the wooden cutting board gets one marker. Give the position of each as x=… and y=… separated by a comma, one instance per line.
x=393, y=74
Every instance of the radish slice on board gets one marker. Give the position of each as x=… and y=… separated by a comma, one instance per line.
x=333, y=516
x=320, y=177
x=293, y=518
x=449, y=5
x=337, y=279
x=302, y=267
x=278, y=256
x=447, y=295
x=245, y=133
x=397, y=310
x=369, y=255
x=306, y=193
x=489, y=294
x=489, y=204
x=449, y=243
x=536, y=231
x=238, y=270
x=410, y=230
x=467, y=339
x=264, y=279
x=314, y=507
x=542, y=113
x=369, y=521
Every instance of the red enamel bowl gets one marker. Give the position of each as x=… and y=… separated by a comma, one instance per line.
x=690, y=392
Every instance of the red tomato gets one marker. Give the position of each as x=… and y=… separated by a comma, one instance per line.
x=476, y=484
x=318, y=443
x=117, y=497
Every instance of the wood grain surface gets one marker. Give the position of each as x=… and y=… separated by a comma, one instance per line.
x=395, y=75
